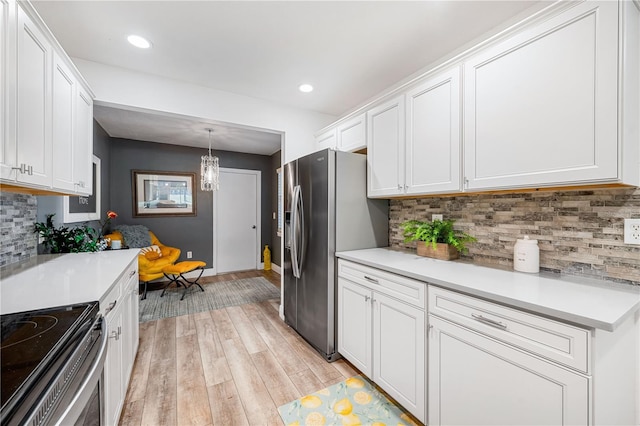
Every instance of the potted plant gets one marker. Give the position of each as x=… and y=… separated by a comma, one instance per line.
x=441, y=240
x=68, y=240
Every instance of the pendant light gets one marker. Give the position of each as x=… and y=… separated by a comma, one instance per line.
x=209, y=170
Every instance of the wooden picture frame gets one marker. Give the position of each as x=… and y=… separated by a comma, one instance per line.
x=83, y=208
x=158, y=194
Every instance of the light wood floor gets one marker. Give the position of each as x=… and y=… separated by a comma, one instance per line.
x=232, y=366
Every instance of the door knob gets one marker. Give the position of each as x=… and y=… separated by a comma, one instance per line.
x=253, y=227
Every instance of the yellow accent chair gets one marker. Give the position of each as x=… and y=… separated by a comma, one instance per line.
x=150, y=264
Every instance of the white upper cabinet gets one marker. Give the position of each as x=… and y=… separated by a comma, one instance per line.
x=64, y=92
x=46, y=109
x=433, y=135
x=7, y=91
x=33, y=132
x=541, y=107
x=351, y=135
x=326, y=139
x=83, y=142
x=385, y=148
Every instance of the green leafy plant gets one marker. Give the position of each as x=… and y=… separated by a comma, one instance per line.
x=68, y=240
x=437, y=231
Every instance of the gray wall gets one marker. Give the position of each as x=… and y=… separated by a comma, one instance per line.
x=187, y=233
x=276, y=162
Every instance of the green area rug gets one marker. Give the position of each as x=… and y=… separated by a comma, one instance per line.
x=215, y=296
x=352, y=402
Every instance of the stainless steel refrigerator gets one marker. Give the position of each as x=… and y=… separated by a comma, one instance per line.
x=326, y=210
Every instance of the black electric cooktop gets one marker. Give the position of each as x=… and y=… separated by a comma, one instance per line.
x=32, y=343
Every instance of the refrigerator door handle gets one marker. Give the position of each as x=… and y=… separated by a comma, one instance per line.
x=294, y=232
x=301, y=249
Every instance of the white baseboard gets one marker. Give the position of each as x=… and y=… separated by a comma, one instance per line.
x=208, y=272
x=275, y=268
x=281, y=312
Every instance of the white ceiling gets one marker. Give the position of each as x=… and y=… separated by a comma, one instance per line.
x=349, y=50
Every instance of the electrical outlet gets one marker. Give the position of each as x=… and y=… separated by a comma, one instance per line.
x=436, y=217
x=189, y=255
x=632, y=231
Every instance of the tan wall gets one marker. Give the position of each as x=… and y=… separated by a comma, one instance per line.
x=579, y=232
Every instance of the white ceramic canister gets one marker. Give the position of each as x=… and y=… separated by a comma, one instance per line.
x=526, y=255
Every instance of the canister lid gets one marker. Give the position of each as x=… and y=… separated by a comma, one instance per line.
x=526, y=240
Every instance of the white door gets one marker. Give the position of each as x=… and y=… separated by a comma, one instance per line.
x=475, y=380
x=540, y=108
x=385, y=148
x=354, y=325
x=236, y=229
x=399, y=352
x=433, y=129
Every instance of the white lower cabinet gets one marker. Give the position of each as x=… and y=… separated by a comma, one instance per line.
x=120, y=309
x=476, y=380
x=382, y=336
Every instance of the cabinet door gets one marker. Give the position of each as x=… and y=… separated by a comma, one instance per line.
x=33, y=99
x=433, y=135
x=130, y=326
x=354, y=325
x=64, y=93
x=326, y=139
x=399, y=361
x=113, y=372
x=351, y=134
x=541, y=107
x=385, y=149
x=7, y=89
x=474, y=380
x=83, y=142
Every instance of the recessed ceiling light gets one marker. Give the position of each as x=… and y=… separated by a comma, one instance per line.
x=306, y=88
x=138, y=41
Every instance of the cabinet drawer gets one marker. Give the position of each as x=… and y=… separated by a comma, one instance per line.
x=109, y=301
x=405, y=289
x=551, y=339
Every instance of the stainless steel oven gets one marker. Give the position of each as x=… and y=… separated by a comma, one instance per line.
x=52, y=366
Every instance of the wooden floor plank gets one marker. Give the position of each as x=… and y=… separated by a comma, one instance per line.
x=224, y=326
x=345, y=368
x=132, y=413
x=185, y=326
x=160, y=399
x=142, y=364
x=226, y=407
x=253, y=393
x=250, y=337
x=306, y=382
x=164, y=345
x=274, y=377
x=287, y=358
x=192, y=399
x=214, y=364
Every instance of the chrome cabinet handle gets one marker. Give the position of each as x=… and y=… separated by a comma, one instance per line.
x=110, y=307
x=489, y=321
x=132, y=273
x=371, y=280
x=366, y=298
x=114, y=335
x=24, y=169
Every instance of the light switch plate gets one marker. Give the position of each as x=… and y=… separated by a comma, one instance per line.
x=632, y=231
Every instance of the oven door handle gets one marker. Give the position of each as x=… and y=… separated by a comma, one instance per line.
x=73, y=411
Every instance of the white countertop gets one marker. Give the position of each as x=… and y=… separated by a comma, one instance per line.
x=59, y=280
x=586, y=302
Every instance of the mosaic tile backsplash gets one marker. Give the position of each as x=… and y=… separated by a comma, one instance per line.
x=579, y=232
x=18, y=215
